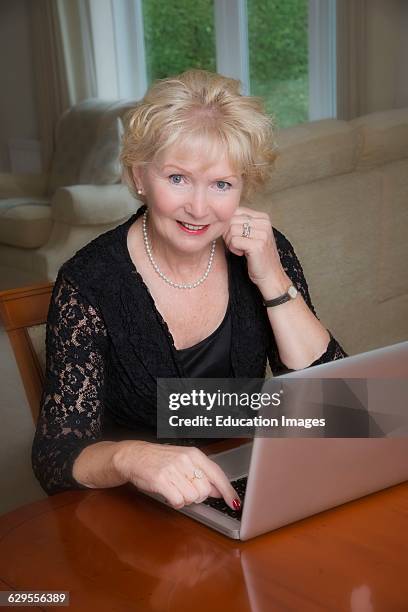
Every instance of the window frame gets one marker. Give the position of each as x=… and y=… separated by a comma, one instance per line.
x=231, y=40
x=232, y=51
x=120, y=57
x=322, y=59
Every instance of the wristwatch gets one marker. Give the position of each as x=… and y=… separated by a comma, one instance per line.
x=290, y=294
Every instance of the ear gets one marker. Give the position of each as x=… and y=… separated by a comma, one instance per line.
x=137, y=174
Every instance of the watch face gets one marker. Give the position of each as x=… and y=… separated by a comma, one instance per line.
x=292, y=291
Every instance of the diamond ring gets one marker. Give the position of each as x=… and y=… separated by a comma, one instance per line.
x=197, y=474
x=246, y=230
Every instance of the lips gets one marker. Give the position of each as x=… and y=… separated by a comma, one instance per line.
x=190, y=228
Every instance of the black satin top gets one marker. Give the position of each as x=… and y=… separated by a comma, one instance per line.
x=210, y=358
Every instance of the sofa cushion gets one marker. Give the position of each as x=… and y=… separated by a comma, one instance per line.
x=335, y=225
x=25, y=222
x=393, y=243
x=382, y=137
x=312, y=151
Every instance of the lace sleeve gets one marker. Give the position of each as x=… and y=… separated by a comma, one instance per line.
x=71, y=410
x=294, y=270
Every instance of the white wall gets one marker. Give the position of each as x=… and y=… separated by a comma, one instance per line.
x=18, y=116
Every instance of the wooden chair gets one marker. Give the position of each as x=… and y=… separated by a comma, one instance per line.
x=24, y=312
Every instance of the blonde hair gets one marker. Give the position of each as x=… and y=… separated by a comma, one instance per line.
x=200, y=105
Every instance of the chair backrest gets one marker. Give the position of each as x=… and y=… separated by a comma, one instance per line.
x=88, y=141
x=24, y=313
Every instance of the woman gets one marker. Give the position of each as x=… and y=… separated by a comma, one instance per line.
x=193, y=285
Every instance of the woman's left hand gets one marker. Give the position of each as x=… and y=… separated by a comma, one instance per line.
x=259, y=248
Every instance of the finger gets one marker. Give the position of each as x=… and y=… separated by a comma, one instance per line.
x=258, y=228
x=180, y=492
x=227, y=240
x=244, y=211
x=203, y=487
x=259, y=233
x=247, y=245
x=192, y=488
x=214, y=492
x=205, y=491
x=217, y=477
x=238, y=252
x=171, y=493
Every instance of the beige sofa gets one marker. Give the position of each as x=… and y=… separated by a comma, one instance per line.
x=339, y=193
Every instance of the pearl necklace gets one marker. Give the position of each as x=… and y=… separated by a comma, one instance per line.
x=160, y=273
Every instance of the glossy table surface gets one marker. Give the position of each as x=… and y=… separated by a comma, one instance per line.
x=115, y=549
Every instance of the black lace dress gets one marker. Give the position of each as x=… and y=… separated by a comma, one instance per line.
x=107, y=344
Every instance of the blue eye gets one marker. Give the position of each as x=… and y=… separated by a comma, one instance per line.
x=223, y=185
x=176, y=179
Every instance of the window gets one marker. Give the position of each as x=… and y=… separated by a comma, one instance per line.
x=283, y=51
x=278, y=57
x=178, y=35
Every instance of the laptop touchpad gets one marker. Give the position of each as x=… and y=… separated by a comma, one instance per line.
x=234, y=462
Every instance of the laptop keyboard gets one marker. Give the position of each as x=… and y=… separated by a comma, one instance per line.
x=219, y=504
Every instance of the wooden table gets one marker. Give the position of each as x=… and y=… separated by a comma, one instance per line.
x=116, y=550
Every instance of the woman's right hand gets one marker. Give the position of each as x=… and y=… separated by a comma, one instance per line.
x=183, y=475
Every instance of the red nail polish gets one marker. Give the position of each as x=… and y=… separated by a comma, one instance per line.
x=237, y=504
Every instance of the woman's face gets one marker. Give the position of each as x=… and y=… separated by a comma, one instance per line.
x=190, y=198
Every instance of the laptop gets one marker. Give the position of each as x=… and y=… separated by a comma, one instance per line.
x=283, y=480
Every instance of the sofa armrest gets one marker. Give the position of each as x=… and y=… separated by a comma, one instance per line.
x=22, y=185
x=93, y=204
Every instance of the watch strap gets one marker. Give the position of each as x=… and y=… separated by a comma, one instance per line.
x=285, y=297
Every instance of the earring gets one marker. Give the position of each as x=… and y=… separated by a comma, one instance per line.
x=140, y=191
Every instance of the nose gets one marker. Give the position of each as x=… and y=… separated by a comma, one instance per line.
x=197, y=204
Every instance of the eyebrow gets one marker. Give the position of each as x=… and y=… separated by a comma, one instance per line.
x=184, y=171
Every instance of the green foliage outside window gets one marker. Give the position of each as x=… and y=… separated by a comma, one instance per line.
x=278, y=57
x=178, y=36
x=181, y=35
